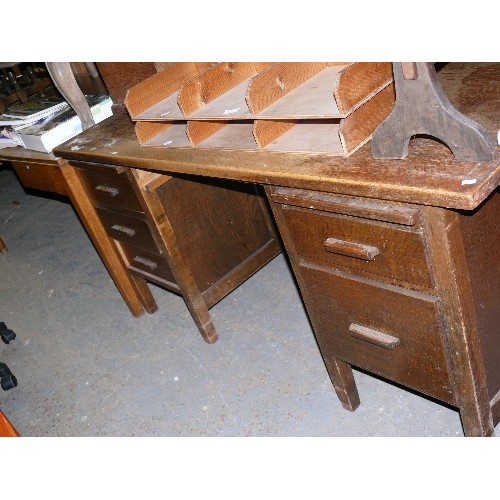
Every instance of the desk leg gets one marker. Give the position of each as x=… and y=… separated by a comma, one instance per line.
x=180, y=269
x=340, y=372
x=134, y=297
x=185, y=280
x=184, y=277
x=141, y=286
x=3, y=248
x=343, y=381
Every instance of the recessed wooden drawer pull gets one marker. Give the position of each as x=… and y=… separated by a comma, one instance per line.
x=350, y=249
x=112, y=192
x=123, y=229
x=373, y=336
x=145, y=262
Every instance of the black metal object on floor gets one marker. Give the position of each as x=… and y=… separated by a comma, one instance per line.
x=7, y=379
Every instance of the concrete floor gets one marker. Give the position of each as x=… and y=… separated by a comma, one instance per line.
x=86, y=367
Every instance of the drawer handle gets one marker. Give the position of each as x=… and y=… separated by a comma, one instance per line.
x=124, y=230
x=111, y=192
x=350, y=249
x=145, y=262
x=373, y=336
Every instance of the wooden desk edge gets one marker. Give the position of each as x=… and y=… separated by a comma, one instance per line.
x=467, y=199
x=21, y=154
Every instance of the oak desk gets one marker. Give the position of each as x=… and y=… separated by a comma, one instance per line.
x=396, y=260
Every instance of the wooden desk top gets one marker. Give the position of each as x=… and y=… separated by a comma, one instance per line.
x=429, y=175
x=20, y=154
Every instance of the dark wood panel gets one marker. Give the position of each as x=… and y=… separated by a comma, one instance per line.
x=481, y=236
x=217, y=224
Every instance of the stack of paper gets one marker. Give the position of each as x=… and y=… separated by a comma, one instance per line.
x=25, y=113
x=42, y=125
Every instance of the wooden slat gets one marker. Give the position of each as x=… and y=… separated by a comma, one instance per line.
x=174, y=136
x=213, y=84
x=267, y=131
x=358, y=127
x=359, y=82
x=262, y=66
x=313, y=99
x=222, y=287
x=202, y=66
x=310, y=136
x=233, y=135
x=198, y=131
x=347, y=205
x=166, y=109
x=278, y=81
x=160, y=86
x=147, y=130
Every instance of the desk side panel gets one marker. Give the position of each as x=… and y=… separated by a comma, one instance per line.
x=481, y=237
x=219, y=225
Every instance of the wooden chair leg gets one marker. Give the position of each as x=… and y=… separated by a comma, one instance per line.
x=3, y=248
x=343, y=381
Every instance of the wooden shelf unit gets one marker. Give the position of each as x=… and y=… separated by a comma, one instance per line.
x=303, y=107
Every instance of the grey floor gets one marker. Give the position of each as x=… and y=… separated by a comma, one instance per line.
x=86, y=367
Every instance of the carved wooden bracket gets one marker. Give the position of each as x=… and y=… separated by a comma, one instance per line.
x=423, y=108
x=64, y=79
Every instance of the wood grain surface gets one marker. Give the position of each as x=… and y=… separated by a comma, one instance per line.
x=429, y=175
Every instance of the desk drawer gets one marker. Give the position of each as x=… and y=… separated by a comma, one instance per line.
x=41, y=176
x=128, y=229
x=386, y=330
x=147, y=262
x=111, y=189
x=367, y=247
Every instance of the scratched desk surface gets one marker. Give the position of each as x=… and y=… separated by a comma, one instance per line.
x=429, y=175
